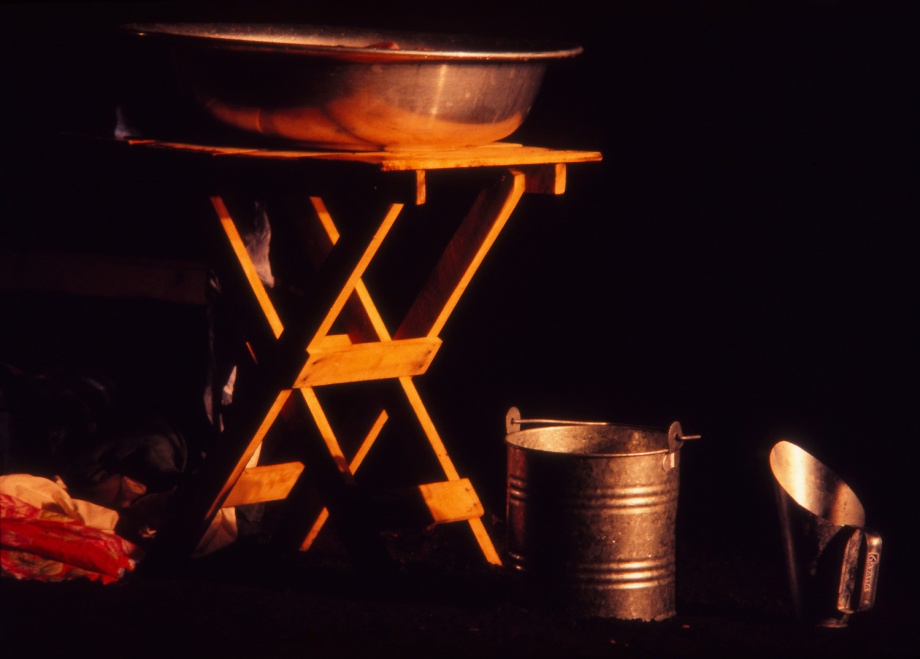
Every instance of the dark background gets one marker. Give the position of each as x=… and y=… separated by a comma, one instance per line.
x=744, y=259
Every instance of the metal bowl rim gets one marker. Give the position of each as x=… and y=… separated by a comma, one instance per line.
x=259, y=38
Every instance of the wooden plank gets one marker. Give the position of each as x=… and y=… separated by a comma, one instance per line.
x=99, y=275
x=486, y=156
x=421, y=187
x=462, y=257
x=249, y=268
x=369, y=439
x=498, y=154
x=431, y=503
x=334, y=362
x=365, y=253
x=331, y=479
x=485, y=542
x=546, y=179
x=427, y=425
x=264, y=483
x=451, y=501
x=255, y=441
x=195, y=504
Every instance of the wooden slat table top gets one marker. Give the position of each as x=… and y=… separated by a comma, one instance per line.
x=499, y=154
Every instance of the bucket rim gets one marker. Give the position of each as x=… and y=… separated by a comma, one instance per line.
x=673, y=436
x=598, y=455
x=651, y=430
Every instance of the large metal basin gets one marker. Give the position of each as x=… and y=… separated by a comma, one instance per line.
x=356, y=89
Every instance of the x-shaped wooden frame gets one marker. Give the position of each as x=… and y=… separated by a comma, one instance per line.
x=368, y=351
x=365, y=352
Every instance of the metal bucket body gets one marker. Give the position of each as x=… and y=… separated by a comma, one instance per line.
x=591, y=515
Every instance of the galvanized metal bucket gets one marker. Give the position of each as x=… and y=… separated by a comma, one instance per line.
x=591, y=516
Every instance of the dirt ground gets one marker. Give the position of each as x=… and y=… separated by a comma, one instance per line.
x=440, y=602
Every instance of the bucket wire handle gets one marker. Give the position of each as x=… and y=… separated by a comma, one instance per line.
x=513, y=422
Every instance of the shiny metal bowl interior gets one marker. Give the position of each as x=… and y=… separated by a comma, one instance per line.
x=604, y=440
x=356, y=89
x=814, y=487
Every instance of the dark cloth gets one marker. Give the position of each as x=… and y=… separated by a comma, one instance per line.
x=67, y=424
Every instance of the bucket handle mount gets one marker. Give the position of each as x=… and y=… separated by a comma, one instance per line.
x=513, y=423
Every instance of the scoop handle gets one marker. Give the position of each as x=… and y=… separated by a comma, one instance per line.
x=869, y=583
x=853, y=595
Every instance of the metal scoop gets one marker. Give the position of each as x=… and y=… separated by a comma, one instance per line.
x=832, y=559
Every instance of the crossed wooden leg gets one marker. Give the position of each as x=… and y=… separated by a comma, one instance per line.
x=365, y=351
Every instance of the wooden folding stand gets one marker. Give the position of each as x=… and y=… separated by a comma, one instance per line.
x=342, y=338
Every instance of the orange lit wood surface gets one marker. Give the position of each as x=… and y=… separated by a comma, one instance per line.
x=545, y=168
x=451, y=501
x=332, y=361
x=501, y=154
x=264, y=483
